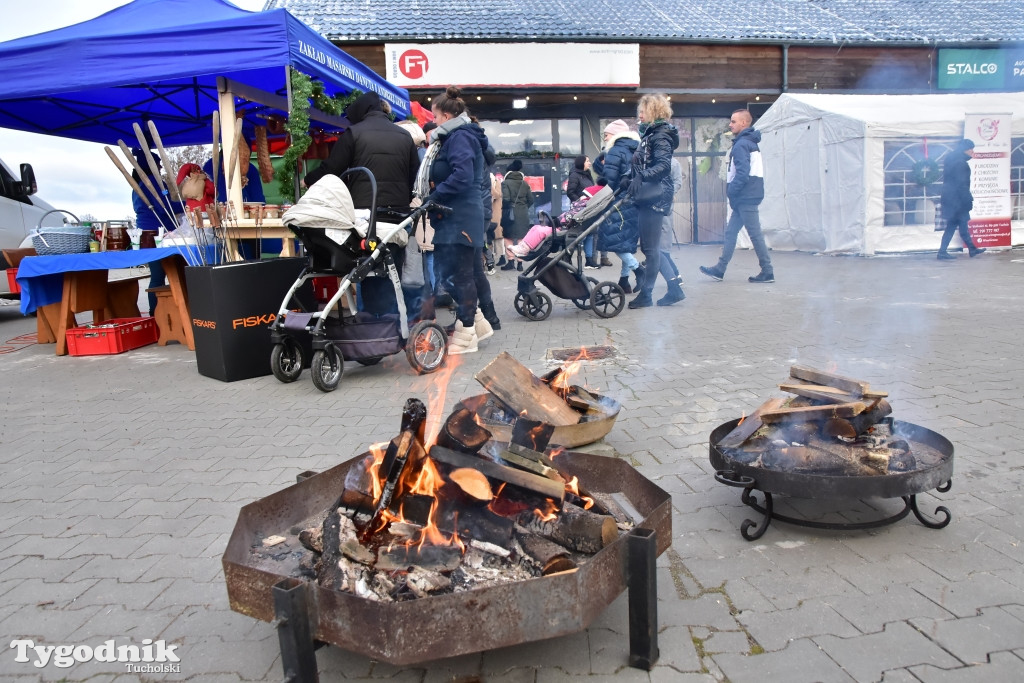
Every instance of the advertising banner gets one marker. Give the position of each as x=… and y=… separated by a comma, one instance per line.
x=524, y=65
x=990, y=178
x=981, y=69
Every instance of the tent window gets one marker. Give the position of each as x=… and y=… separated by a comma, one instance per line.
x=907, y=200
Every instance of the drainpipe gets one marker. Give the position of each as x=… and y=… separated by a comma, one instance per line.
x=785, y=67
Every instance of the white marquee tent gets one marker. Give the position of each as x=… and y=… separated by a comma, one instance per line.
x=824, y=159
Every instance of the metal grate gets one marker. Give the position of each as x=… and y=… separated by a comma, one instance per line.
x=582, y=353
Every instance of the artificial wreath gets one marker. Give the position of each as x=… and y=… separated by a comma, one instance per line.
x=925, y=172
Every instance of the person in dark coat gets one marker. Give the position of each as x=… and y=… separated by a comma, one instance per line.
x=620, y=232
x=517, y=193
x=580, y=179
x=455, y=173
x=745, y=192
x=957, y=200
x=650, y=185
x=374, y=142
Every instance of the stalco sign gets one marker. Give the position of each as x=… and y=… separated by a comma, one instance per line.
x=984, y=69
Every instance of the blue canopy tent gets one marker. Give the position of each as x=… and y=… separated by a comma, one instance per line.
x=173, y=62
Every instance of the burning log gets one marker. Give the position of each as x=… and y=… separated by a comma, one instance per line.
x=574, y=528
x=473, y=483
x=854, y=387
x=433, y=557
x=750, y=424
x=851, y=428
x=524, y=392
x=805, y=413
x=524, y=481
x=461, y=432
x=550, y=557
x=819, y=393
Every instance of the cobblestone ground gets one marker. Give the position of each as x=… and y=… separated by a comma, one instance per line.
x=123, y=476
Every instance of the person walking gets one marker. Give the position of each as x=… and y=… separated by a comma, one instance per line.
x=580, y=179
x=620, y=232
x=650, y=184
x=745, y=191
x=516, y=193
x=668, y=268
x=957, y=200
x=452, y=177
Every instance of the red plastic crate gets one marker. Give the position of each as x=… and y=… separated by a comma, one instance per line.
x=12, y=281
x=116, y=335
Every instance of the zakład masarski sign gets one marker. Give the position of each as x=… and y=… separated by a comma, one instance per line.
x=981, y=69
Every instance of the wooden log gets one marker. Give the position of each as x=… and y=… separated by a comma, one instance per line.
x=532, y=434
x=524, y=462
x=851, y=428
x=525, y=481
x=550, y=557
x=847, y=384
x=619, y=507
x=476, y=523
x=472, y=482
x=434, y=557
x=819, y=392
x=524, y=392
x=461, y=432
x=748, y=425
x=573, y=527
x=807, y=413
x=395, y=460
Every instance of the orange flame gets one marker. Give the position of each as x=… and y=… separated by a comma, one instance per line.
x=549, y=513
x=573, y=486
x=377, y=450
x=437, y=393
x=556, y=451
x=742, y=418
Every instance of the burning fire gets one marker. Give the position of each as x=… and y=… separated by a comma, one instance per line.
x=573, y=486
x=437, y=393
x=549, y=513
x=742, y=418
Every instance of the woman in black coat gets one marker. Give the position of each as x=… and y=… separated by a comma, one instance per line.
x=651, y=184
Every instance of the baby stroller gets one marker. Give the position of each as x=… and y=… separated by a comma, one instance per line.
x=558, y=265
x=340, y=243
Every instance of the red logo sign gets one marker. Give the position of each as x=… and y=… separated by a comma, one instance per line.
x=413, y=64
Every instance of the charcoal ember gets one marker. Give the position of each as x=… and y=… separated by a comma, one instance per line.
x=312, y=539
x=308, y=565
x=902, y=459
x=423, y=582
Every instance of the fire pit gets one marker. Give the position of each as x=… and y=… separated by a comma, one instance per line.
x=409, y=632
x=836, y=446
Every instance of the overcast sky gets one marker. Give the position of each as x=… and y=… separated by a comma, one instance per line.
x=72, y=175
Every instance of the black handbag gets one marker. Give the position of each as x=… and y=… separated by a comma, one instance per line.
x=649, y=194
x=508, y=217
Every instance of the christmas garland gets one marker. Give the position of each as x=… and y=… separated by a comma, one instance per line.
x=925, y=172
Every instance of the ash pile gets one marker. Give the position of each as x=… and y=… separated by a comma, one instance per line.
x=832, y=425
x=416, y=519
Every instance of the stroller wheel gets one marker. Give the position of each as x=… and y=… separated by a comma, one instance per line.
x=518, y=304
x=535, y=306
x=607, y=299
x=327, y=367
x=427, y=347
x=286, y=360
x=582, y=304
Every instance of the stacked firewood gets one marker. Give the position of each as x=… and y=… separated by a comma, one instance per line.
x=417, y=519
x=831, y=424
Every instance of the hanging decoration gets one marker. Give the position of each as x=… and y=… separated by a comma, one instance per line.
x=925, y=171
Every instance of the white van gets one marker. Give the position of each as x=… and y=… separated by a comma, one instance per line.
x=21, y=213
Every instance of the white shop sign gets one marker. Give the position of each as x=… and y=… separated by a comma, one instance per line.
x=522, y=65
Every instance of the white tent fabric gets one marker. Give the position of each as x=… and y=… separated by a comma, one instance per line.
x=824, y=166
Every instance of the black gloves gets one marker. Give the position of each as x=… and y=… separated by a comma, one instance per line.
x=634, y=186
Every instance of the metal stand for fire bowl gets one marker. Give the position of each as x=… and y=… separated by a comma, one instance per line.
x=924, y=476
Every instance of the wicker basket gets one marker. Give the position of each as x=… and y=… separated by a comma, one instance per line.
x=64, y=239
x=68, y=239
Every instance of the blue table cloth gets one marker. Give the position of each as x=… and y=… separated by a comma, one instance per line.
x=42, y=277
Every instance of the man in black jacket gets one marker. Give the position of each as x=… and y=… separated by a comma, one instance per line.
x=957, y=200
x=376, y=143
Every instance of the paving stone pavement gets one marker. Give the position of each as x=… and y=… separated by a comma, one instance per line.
x=122, y=478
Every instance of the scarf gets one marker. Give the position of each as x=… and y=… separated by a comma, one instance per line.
x=422, y=187
x=644, y=127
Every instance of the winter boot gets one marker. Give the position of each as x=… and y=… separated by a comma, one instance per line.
x=639, y=273
x=765, y=276
x=642, y=301
x=713, y=272
x=974, y=251
x=463, y=340
x=675, y=292
x=591, y=264
x=482, y=328
x=624, y=283
x=491, y=315
x=605, y=261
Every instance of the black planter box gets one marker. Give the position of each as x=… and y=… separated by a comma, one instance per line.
x=231, y=307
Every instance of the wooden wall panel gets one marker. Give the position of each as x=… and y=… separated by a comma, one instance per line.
x=370, y=54
x=709, y=67
x=860, y=68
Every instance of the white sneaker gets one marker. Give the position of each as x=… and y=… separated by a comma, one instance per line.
x=482, y=328
x=463, y=340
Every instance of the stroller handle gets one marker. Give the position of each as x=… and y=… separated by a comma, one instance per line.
x=440, y=208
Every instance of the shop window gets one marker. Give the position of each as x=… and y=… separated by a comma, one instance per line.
x=1017, y=180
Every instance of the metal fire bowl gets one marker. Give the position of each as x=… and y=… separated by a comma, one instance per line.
x=805, y=484
x=415, y=631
